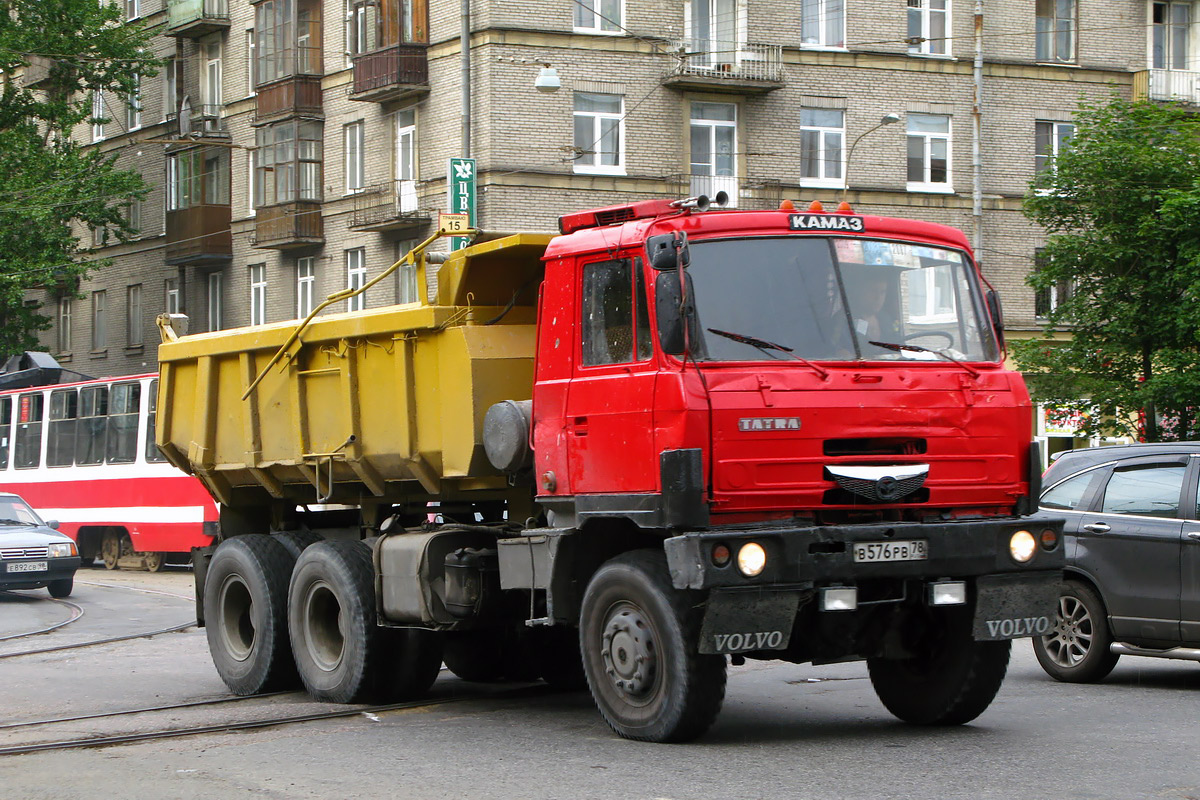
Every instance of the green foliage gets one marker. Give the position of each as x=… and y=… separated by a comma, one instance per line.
x=1121, y=209
x=48, y=181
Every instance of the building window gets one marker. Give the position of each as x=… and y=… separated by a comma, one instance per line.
x=1171, y=24
x=216, y=293
x=356, y=276
x=352, y=138
x=823, y=23
x=714, y=31
x=198, y=177
x=928, y=21
x=172, y=298
x=1055, y=31
x=598, y=16
x=288, y=165
x=133, y=315
x=406, y=275
x=822, y=141
x=364, y=26
x=599, y=134
x=211, y=78
x=306, y=279
x=97, y=115
x=64, y=324
x=287, y=36
x=133, y=9
x=406, y=160
x=258, y=294
x=172, y=79
x=133, y=217
x=1047, y=299
x=928, y=153
x=713, y=134
x=251, y=169
x=1049, y=140
x=133, y=105
x=99, y=312
x=250, y=62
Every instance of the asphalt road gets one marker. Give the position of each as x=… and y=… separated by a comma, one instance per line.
x=785, y=732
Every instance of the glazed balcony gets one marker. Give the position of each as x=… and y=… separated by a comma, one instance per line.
x=391, y=73
x=708, y=65
x=294, y=96
x=196, y=18
x=1167, y=85
x=288, y=226
x=390, y=207
x=199, y=235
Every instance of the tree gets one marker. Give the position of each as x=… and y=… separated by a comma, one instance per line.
x=1120, y=205
x=48, y=181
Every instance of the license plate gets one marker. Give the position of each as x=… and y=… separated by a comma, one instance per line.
x=29, y=566
x=911, y=550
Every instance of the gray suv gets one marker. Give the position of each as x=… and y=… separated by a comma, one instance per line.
x=1132, y=581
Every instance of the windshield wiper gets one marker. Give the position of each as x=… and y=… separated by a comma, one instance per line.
x=764, y=346
x=15, y=522
x=916, y=348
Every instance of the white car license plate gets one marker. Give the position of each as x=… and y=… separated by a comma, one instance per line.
x=29, y=566
x=910, y=550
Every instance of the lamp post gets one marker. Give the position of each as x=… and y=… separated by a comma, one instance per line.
x=887, y=119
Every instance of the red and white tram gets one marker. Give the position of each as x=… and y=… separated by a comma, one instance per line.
x=83, y=453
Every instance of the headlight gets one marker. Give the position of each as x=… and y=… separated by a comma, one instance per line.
x=62, y=549
x=751, y=559
x=1022, y=546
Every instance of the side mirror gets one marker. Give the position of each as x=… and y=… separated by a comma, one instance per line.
x=661, y=251
x=52, y=524
x=997, y=315
x=670, y=316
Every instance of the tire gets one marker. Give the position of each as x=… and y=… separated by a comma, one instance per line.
x=639, y=635
x=951, y=683
x=1077, y=650
x=412, y=659
x=295, y=541
x=488, y=655
x=245, y=611
x=61, y=588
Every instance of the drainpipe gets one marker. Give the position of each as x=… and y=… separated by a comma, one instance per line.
x=465, y=46
x=977, y=124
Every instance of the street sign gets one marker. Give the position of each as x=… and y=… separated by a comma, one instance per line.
x=460, y=183
x=453, y=223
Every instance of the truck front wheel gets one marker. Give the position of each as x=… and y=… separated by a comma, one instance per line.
x=951, y=681
x=639, y=635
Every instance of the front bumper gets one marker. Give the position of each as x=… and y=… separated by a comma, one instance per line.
x=57, y=569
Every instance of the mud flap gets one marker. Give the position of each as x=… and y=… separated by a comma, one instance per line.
x=739, y=622
x=1012, y=606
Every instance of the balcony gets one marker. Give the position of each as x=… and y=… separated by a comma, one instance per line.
x=1169, y=85
x=288, y=226
x=736, y=68
x=197, y=122
x=389, y=207
x=196, y=18
x=745, y=193
x=294, y=96
x=199, y=235
x=392, y=73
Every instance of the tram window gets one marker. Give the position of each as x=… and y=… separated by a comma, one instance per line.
x=60, y=442
x=124, y=403
x=153, y=454
x=27, y=444
x=5, y=431
x=92, y=427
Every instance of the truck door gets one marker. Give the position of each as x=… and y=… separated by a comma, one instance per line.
x=610, y=401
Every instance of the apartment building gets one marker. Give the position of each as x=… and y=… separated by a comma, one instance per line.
x=298, y=147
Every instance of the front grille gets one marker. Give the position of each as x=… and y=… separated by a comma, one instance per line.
x=10, y=553
x=614, y=215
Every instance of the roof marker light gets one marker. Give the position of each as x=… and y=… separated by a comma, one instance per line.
x=787, y=205
x=844, y=208
x=815, y=205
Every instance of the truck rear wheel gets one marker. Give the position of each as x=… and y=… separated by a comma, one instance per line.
x=245, y=611
x=951, y=682
x=638, y=635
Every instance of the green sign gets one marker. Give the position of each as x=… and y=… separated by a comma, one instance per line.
x=460, y=181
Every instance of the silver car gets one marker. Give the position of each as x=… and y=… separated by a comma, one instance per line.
x=32, y=553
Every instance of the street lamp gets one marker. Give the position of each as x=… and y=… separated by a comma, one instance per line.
x=887, y=119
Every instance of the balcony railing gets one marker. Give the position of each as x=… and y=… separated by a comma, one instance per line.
x=295, y=96
x=199, y=235
x=744, y=193
x=193, y=18
x=291, y=225
x=198, y=122
x=1178, y=85
x=713, y=65
x=390, y=73
x=393, y=206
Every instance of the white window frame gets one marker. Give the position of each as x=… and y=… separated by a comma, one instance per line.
x=822, y=180
x=97, y=114
x=212, y=76
x=356, y=277
x=133, y=9
x=928, y=45
x=171, y=296
x=727, y=183
x=171, y=73
x=306, y=282
x=215, y=291
x=133, y=316
x=133, y=106
x=824, y=9
x=251, y=156
x=1058, y=135
x=258, y=294
x=251, y=44
x=99, y=318
x=405, y=160
x=932, y=315
x=64, y=324
x=928, y=137
x=407, y=290
x=585, y=168
x=587, y=18
x=1052, y=55
x=353, y=145
x=1167, y=29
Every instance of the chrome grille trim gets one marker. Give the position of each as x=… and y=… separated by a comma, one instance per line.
x=11, y=553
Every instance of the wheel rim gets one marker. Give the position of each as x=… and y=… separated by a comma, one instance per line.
x=110, y=551
x=325, y=640
x=1069, y=643
x=630, y=653
x=154, y=561
x=236, y=607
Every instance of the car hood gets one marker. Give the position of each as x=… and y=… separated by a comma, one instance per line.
x=24, y=536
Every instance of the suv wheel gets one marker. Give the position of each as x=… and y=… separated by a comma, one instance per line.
x=1077, y=650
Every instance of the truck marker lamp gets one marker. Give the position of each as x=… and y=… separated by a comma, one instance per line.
x=1049, y=539
x=948, y=593
x=1022, y=546
x=751, y=559
x=839, y=598
x=721, y=555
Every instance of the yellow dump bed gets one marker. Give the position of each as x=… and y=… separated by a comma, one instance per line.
x=384, y=403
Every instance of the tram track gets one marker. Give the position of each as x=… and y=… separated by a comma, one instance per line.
x=78, y=613
x=95, y=642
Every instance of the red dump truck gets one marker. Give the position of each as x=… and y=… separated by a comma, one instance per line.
x=671, y=438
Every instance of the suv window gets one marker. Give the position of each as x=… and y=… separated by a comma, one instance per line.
x=1069, y=494
x=1150, y=491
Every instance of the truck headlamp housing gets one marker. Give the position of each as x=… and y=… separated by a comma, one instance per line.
x=751, y=559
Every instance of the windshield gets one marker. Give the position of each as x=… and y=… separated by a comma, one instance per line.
x=13, y=510
x=828, y=298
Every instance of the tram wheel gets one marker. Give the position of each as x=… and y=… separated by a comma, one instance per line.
x=154, y=561
x=111, y=547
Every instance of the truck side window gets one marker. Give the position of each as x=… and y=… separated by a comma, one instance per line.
x=607, y=313
x=645, y=347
